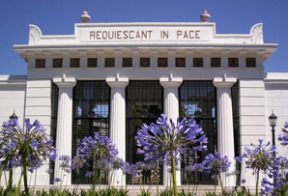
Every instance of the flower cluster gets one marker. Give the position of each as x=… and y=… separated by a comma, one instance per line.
x=160, y=141
x=277, y=180
x=215, y=163
x=279, y=173
x=29, y=146
x=97, y=153
x=65, y=163
x=259, y=157
x=283, y=138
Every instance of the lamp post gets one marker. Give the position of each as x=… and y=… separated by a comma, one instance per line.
x=273, y=123
x=10, y=180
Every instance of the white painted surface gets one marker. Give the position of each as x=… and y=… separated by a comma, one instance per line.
x=171, y=110
x=64, y=124
x=118, y=124
x=225, y=133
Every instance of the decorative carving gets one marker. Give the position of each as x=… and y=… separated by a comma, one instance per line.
x=257, y=33
x=34, y=34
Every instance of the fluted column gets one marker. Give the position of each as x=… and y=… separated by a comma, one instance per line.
x=171, y=110
x=118, y=124
x=64, y=124
x=225, y=131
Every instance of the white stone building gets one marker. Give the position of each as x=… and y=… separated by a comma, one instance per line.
x=112, y=77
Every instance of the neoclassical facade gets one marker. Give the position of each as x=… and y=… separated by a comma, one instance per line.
x=112, y=77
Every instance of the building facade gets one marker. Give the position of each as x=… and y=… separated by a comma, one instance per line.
x=112, y=77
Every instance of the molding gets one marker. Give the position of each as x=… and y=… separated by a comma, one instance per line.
x=65, y=82
x=171, y=82
x=117, y=82
x=224, y=82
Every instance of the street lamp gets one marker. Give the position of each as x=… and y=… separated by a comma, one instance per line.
x=273, y=123
x=13, y=116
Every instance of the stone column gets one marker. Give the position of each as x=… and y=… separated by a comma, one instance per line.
x=225, y=131
x=171, y=110
x=64, y=124
x=118, y=124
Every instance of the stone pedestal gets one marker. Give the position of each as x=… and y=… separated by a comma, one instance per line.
x=225, y=134
x=171, y=110
x=118, y=124
x=64, y=124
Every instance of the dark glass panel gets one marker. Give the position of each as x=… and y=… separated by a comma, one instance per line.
x=109, y=62
x=127, y=62
x=250, y=62
x=40, y=63
x=92, y=62
x=144, y=104
x=180, y=62
x=233, y=62
x=54, y=112
x=91, y=101
x=57, y=63
x=144, y=62
x=198, y=62
x=236, y=125
x=75, y=62
x=215, y=62
x=197, y=99
x=162, y=62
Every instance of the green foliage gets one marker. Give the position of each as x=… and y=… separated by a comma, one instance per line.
x=170, y=193
x=210, y=194
x=145, y=193
x=55, y=192
x=105, y=192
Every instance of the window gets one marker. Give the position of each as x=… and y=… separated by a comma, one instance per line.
x=109, y=62
x=54, y=111
x=91, y=108
x=198, y=62
x=57, y=63
x=144, y=104
x=127, y=62
x=162, y=62
x=74, y=62
x=92, y=62
x=236, y=125
x=180, y=62
x=233, y=62
x=144, y=62
x=215, y=62
x=250, y=62
x=197, y=99
x=40, y=63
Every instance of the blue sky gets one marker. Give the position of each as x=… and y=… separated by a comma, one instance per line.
x=59, y=16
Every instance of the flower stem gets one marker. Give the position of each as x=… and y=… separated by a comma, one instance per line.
x=25, y=178
x=257, y=182
x=221, y=183
x=173, y=169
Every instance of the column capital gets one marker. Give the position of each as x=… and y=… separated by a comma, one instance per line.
x=117, y=82
x=224, y=82
x=171, y=82
x=65, y=82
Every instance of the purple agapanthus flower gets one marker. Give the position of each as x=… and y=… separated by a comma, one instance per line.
x=32, y=142
x=164, y=139
x=215, y=163
x=258, y=157
x=24, y=147
x=283, y=138
x=98, y=153
x=197, y=167
x=278, y=172
x=65, y=163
